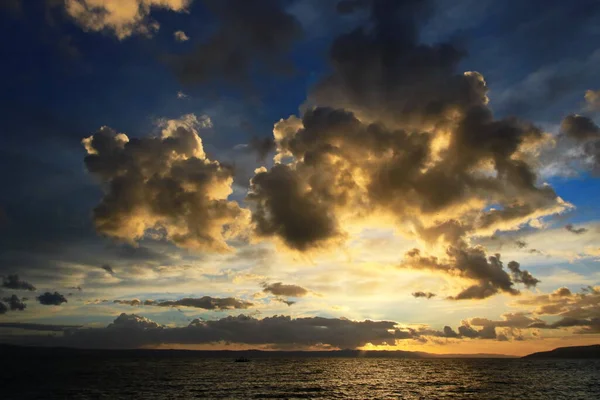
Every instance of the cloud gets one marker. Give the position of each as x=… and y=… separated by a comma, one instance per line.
x=3, y=308
x=163, y=187
x=51, y=299
x=132, y=302
x=14, y=303
x=427, y=295
x=121, y=17
x=472, y=263
x=579, y=128
x=592, y=99
x=285, y=207
x=12, y=281
x=520, y=276
x=205, y=302
x=575, y=309
x=521, y=244
x=250, y=34
x=131, y=331
x=180, y=36
x=278, y=331
x=108, y=269
x=577, y=231
x=280, y=289
x=583, y=132
x=289, y=303
x=410, y=140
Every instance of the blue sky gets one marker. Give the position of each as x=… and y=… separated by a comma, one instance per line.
x=74, y=66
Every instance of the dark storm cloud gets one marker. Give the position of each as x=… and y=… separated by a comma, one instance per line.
x=577, y=231
x=280, y=289
x=427, y=295
x=14, y=303
x=205, y=302
x=366, y=143
x=251, y=36
x=51, y=299
x=13, y=281
x=472, y=263
x=163, y=184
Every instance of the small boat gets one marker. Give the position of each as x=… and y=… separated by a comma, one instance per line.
x=242, y=359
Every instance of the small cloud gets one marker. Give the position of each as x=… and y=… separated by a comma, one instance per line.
x=108, y=269
x=52, y=299
x=521, y=244
x=14, y=303
x=284, y=301
x=181, y=95
x=280, y=289
x=13, y=282
x=592, y=99
x=427, y=295
x=577, y=231
x=180, y=36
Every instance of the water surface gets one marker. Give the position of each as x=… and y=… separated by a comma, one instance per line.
x=312, y=378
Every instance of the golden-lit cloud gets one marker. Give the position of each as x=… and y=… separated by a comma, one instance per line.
x=163, y=186
x=121, y=17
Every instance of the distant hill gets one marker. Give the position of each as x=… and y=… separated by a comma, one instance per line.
x=592, y=351
x=8, y=351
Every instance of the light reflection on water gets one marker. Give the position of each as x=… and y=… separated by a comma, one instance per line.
x=302, y=378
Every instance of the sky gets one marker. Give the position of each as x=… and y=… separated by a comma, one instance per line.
x=300, y=174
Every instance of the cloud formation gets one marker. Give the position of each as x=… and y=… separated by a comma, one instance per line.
x=180, y=36
x=249, y=34
x=580, y=140
x=108, y=269
x=123, y=18
x=52, y=299
x=205, y=302
x=472, y=264
x=577, y=231
x=13, y=281
x=280, y=289
x=14, y=303
x=578, y=310
x=163, y=184
x=427, y=295
x=410, y=138
x=278, y=331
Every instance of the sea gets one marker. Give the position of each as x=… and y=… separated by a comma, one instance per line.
x=297, y=378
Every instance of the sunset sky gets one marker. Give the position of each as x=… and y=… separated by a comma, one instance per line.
x=300, y=174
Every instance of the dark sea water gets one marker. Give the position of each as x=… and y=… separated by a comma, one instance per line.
x=312, y=378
